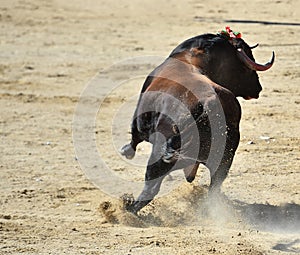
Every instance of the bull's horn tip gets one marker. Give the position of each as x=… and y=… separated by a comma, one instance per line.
x=273, y=56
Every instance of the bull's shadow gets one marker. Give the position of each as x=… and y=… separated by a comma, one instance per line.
x=272, y=218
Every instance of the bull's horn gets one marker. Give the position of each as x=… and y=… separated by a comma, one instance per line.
x=253, y=65
x=254, y=46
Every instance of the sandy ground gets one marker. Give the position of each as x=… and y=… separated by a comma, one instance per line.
x=49, y=52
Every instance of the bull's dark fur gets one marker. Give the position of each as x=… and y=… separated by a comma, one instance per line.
x=205, y=75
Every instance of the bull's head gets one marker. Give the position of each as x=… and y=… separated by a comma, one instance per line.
x=227, y=62
x=231, y=64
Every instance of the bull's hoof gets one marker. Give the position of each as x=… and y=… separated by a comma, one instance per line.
x=127, y=151
x=190, y=179
x=128, y=202
x=169, y=155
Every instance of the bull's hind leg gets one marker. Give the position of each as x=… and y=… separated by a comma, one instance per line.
x=128, y=150
x=154, y=176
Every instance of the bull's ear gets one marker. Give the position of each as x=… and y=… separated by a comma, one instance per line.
x=254, y=46
x=196, y=51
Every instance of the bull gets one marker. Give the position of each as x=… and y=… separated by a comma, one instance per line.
x=188, y=110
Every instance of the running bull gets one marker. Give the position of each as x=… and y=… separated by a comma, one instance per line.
x=188, y=110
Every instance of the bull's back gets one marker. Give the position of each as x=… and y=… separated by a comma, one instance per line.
x=176, y=95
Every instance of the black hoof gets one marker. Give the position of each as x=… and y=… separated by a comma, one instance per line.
x=190, y=178
x=127, y=151
x=128, y=203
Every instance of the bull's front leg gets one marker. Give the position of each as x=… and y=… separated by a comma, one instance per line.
x=218, y=177
x=190, y=172
x=219, y=174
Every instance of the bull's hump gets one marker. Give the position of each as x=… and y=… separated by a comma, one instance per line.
x=184, y=89
x=183, y=81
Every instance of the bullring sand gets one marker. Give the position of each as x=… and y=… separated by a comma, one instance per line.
x=49, y=52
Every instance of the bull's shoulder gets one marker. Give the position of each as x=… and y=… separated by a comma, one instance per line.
x=230, y=105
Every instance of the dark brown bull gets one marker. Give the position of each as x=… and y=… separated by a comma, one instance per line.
x=189, y=112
